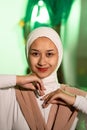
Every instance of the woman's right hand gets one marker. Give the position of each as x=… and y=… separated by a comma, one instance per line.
x=32, y=82
x=55, y=96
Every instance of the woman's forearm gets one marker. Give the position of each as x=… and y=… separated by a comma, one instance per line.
x=7, y=81
x=81, y=103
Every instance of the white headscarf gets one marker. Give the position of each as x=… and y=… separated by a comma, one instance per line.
x=49, y=33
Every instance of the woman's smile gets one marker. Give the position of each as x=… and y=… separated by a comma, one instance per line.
x=42, y=69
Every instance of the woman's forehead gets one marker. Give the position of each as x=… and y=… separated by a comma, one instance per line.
x=43, y=42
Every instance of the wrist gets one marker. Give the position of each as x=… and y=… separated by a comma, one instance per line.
x=18, y=79
x=68, y=98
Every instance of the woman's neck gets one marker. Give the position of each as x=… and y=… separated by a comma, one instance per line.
x=51, y=82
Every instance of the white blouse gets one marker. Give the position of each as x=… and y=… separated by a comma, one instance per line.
x=7, y=81
x=81, y=103
x=11, y=117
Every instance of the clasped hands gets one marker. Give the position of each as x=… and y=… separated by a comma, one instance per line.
x=35, y=84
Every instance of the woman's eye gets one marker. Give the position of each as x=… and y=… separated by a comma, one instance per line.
x=35, y=54
x=49, y=54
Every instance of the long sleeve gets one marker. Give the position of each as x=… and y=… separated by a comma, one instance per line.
x=7, y=81
x=81, y=103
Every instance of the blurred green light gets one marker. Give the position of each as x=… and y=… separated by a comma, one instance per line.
x=40, y=3
x=40, y=14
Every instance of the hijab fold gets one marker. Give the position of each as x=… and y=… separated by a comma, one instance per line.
x=61, y=116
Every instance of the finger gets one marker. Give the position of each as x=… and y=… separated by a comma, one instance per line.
x=39, y=81
x=53, y=102
x=51, y=98
x=44, y=97
x=41, y=85
x=47, y=96
x=44, y=105
x=47, y=99
x=41, y=93
x=36, y=93
x=38, y=87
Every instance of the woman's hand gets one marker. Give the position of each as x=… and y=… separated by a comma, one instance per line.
x=53, y=98
x=32, y=82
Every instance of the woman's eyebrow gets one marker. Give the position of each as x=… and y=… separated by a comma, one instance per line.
x=50, y=50
x=33, y=50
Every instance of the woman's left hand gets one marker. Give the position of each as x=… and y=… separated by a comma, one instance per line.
x=55, y=96
x=51, y=98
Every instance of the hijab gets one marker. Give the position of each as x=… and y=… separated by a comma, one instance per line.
x=49, y=33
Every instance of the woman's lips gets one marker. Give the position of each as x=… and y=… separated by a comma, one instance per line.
x=42, y=69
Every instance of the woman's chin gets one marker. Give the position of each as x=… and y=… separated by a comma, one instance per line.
x=42, y=76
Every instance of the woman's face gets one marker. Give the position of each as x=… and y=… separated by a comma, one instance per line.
x=43, y=57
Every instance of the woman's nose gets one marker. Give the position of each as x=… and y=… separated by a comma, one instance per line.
x=42, y=60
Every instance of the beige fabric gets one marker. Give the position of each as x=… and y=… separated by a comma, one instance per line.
x=74, y=90
x=60, y=117
x=30, y=109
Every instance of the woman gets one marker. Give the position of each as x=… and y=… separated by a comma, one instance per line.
x=44, y=54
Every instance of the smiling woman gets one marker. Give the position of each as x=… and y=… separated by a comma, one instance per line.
x=44, y=54
x=43, y=57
